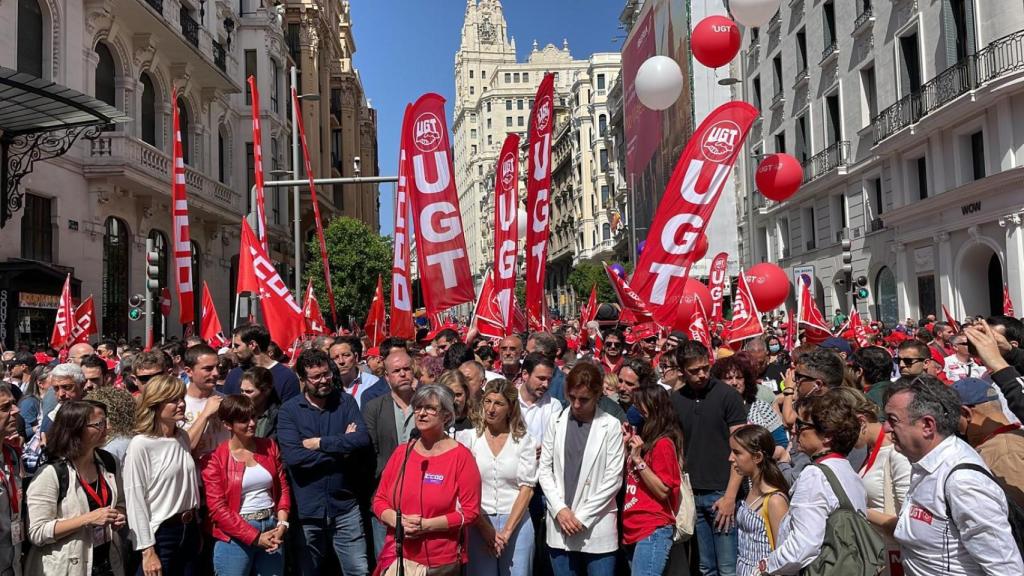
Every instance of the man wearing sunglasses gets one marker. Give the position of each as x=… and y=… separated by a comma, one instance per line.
x=613, y=350
x=145, y=366
x=912, y=357
x=250, y=344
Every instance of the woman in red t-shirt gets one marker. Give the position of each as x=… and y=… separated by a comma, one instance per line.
x=439, y=494
x=652, y=481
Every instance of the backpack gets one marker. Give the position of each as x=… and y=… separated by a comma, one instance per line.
x=851, y=547
x=107, y=462
x=1015, y=515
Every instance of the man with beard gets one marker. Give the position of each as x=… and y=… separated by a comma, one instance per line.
x=362, y=386
x=612, y=352
x=510, y=351
x=318, y=431
x=635, y=372
x=250, y=344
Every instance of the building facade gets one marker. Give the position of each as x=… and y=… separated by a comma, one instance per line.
x=908, y=118
x=90, y=211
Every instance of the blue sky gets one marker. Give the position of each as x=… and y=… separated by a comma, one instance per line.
x=405, y=48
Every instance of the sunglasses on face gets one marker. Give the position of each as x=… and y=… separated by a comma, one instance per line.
x=802, y=425
x=613, y=344
x=909, y=361
x=799, y=377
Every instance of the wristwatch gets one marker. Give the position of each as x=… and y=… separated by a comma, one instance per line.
x=640, y=467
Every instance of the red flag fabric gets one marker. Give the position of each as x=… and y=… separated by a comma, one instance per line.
x=538, y=201
x=950, y=320
x=443, y=261
x=816, y=330
x=85, y=322
x=790, y=332
x=375, y=318
x=699, y=328
x=746, y=320
x=401, y=284
x=1007, y=302
x=281, y=314
x=518, y=317
x=314, y=319
x=165, y=302
x=589, y=311
x=210, y=330
x=719, y=278
x=257, y=153
x=61, y=335
x=316, y=206
x=687, y=206
x=487, y=317
x=182, y=241
x=630, y=300
x=247, y=281
x=860, y=332
x=506, y=228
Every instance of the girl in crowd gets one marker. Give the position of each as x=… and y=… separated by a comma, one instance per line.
x=248, y=496
x=438, y=495
x=611, y=386
x=258, y=384
x=455, y=381
x=825, y=429
x=502, y=542
x=160, y=482
x=668, y=369
x=120, y=405
x=737, y=373
x=31, y=404
x=653, y=458
x=75, y=532
x=759, y=515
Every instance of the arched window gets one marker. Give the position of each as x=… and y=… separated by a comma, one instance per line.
x=602, y=125
x=887, y=308
x=197, y=282
x=184, y=125
x=105, y=89
x=115, y=278
x=147, y=115
x=30, y=38
x=160, y=245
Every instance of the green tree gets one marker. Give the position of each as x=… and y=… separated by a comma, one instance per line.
x=584, y=276
x=357, y=256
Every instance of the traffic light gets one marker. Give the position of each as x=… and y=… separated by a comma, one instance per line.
x=135, y=307
x=862, y=291
x=847, y=256
x=152, y=271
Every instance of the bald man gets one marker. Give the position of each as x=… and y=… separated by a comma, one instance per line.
x=79, y=351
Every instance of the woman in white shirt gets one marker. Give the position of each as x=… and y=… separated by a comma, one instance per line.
x=160, y=482
x=502, y=542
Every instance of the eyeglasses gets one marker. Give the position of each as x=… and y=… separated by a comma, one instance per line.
x=799, y=377
x=613, y=344
x=144, y=378
x=428, y=410
x=98, y=425
x=909, y=361
x=323, y=376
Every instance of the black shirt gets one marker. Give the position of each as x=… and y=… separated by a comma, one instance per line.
x=706, y=417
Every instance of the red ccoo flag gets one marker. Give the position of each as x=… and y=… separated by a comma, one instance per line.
x=282, y=316
x=816, y=330
x=210, y=330
x=65, y=316
x=1007, y=302
x=538, y=201
x=375, y=318
x=402, y=325
x=589, y=311
x=315, y=323
x=182, y=241
x=85, y=322
x=746, y=320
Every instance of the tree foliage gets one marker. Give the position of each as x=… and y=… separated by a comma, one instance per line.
x=583, y=277
x=357, y=256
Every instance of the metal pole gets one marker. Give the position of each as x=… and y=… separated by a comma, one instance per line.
x=150, y=247
x=163, y=328
x=295, y=190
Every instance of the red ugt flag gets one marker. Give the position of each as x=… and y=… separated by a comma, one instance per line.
x=401, y=284
x=506, y=228
x=210, y=330
x=631, y=302
x=719, y=284
x=61, y=335
x=182, y=236
x=816, y=330
x=538, y=201
x=487, y=314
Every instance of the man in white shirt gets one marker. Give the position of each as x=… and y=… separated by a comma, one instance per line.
x=204, y=428
x=362, y=386
x=960, y=365
x=535, y=404
x=956, y=525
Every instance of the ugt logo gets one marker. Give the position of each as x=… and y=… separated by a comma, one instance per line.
x=508, y=169
x=427, y=132
x=543, y=114
x=720, y=140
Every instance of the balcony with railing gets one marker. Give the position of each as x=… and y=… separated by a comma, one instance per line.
x=1000, y=58
x=189, y=27
x=864, y=20
x=801, y=77
x=831, y=51
x=220, y=57
x=777, y=99
x=827, y=160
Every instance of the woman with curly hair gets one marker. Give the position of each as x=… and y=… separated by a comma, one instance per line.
x=120, y=418
x=739, y=374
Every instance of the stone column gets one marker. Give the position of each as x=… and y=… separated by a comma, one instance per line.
x=128, y=90
x=902, y=277
x=944, y=272
x=1014, y=266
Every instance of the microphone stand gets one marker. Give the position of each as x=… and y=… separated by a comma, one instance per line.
x=399, y=529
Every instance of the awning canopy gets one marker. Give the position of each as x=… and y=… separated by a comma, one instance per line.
x=32, y=104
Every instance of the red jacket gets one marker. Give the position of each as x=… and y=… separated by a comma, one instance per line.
x=222, y=475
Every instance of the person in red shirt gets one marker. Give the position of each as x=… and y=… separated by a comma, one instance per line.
x=654, y=444
x=439, y=494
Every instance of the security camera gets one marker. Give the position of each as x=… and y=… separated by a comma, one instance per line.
x=356, y=164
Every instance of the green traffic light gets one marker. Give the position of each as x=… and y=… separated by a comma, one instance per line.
x=134, y=313
x=862, y=293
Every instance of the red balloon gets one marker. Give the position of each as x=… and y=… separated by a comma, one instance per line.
x=769, y=285
x=715, y=41
x=693, y=291
x=779, y=176
x=701, y=249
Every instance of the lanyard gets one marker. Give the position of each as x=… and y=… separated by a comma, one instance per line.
x=1000, y=430
x=874, y=452
x=10, y=480
x=828, y=456
x=102, y=499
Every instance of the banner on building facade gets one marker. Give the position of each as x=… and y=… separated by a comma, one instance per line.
x=401, y=282
x=538, y=201
x=506, y=228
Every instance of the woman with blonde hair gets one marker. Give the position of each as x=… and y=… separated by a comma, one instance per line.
x=502, y=542
x=465, y=408
x=161, y=483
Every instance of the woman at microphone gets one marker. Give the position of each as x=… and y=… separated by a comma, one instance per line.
x=430, y=489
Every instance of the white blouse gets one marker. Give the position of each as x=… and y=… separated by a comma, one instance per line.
x=503, y=475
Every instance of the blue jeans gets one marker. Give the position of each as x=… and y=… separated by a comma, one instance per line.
x=177, y=545
x=345, y=533
x=565, y=563
x=232, y=558
x=651, y=554
x=515, y=560
x=380, y=533
x=717, y=549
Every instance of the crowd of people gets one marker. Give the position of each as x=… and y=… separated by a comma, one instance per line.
x=581, y=450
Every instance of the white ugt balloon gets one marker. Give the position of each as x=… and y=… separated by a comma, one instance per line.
x=659, y=81
x=754, y=12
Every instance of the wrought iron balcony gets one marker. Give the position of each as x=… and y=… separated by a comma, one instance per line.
x=776, y=20
x=190, y=29
x=829, y=51
x=777, y=99
x=827, y=160
x=866, y=17
x=801, y=76
x=157, y=5
x=220, y=57
x=1001, y=57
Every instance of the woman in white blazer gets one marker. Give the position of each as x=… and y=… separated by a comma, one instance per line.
x=580, y=472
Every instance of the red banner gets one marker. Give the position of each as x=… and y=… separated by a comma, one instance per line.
x=182, y=241
x=314, y=319
x=719, y=280
x=375, y=319
x=950, y=319
x=746, y=320
x=281, y=314
x=815, y=328
x=589, y=311
x=443, y=261
x=487, y=314
x=401, y=284
x=642, y=125
x=538, y=201
x=686, y=207
x=165, y=302
x=1007, y=302
x=630, y=301
x=85, y=322
x=210, y=330
x=61, y=335
x=699, y=329
x=860, y=333
x=790, y=337
x=257, y=153
x=316, y=206
x=506, y=228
